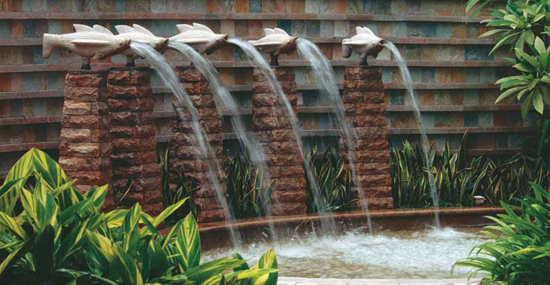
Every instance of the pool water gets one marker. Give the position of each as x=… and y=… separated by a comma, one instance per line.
x=402, y=254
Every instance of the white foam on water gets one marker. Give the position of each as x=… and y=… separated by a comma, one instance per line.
x=423, y=254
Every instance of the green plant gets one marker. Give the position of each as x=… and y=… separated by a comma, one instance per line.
x=334, y=182
x=474, y=6
x=409, y=178
x=248, y=195
x=52, y=234
x=519, y=249
x=184, y=188
x=533, y=84
x=456, y=178
x=519, y=24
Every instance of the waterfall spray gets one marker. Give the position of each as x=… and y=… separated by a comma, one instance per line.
x=259, y=62
x=224, y=98
x=181, y=100
x=407, y=80
x=327, y=86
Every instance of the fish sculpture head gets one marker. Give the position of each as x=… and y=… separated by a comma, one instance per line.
x=365, y=43
x=200, y=37
x=122, y=44
x=275, y=42
x=88, y=42
x=140, y=34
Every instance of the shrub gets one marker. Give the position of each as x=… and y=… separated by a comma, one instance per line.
x=525, y=26
x=458, y=179
x=184, y=188
x=334, y=182
x=519, y=250
x=52, y=234
x=248, y=195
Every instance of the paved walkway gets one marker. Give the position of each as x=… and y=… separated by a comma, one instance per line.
x=314, y=281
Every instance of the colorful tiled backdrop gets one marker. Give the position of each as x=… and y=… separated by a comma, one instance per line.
x=451, y=66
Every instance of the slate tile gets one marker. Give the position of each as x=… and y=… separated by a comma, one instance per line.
x=429, y=30
x=443, y=30
x=399, y=30
x=269, y=6
x=327, y=29
x=241, y=6
x=414, y=29
x=341, y=29
x=312, y=28
x=287, y=25
x=255, y=6
x=485, y=119
x=428, y=75
x=471, y=119
x=356, y=7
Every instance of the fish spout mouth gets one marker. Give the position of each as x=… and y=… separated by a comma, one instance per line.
x=225, y=38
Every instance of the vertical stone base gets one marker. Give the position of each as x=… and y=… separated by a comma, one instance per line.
x=134, y=143
x=274, y=130
x=185, y=150
x=366, y=109
x=85, y=145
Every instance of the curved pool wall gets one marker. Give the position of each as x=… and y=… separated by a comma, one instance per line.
x=215, y=235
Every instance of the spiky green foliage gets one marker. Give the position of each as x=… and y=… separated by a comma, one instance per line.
x=52, y=234
x=248, y=193
x=458, y=178
x=334, y=182
x=184, y=188
x=519, y=249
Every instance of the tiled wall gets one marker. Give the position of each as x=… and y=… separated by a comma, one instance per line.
x=449, y=63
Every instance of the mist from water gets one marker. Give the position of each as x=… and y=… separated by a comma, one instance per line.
x=182, y=103
x=224, y=100
x=424, y=142
x=328, y=88
x=261, y=64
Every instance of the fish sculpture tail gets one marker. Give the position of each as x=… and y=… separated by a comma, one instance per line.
x=346, y=51
x=48, y=45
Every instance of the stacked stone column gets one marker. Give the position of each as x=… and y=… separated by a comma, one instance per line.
x=366, y=109
x=85, y=146
x=274, y=130
x=184, y=147
x=134, y=144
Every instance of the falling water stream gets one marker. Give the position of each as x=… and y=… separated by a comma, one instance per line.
x=424, y=142
x=181, y=100
x=224, y=98
x=328, y=88
x=260, y=63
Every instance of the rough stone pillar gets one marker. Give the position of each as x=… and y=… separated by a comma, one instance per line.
x=366, y=109
x=274, y=130
x=133, y=138
x=185, y=150
x=85, y=146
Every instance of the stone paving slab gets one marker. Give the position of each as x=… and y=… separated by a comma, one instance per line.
x=330, y=281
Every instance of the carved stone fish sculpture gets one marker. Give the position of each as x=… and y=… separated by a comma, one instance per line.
x=199, y=37
x=87, y=42
x=275, y=42
x=365, y=43
x=139, y=34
